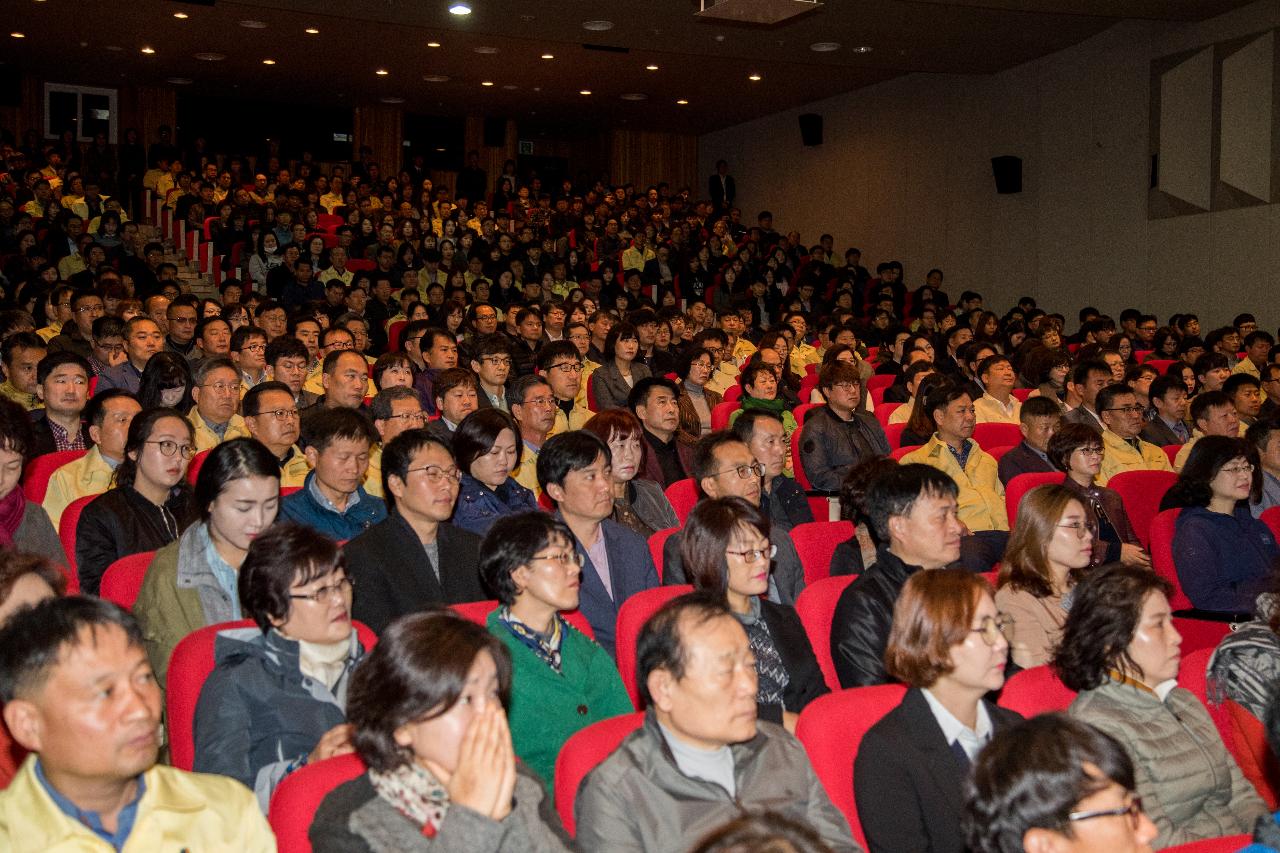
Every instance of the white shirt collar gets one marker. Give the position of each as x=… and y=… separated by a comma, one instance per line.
x=972, y=740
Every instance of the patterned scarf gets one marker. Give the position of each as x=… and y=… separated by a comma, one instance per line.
x=547, y=648
x=415, y=793
x=771, y=674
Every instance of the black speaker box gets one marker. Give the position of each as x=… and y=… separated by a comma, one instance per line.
x=1008, y=174
x=10, y=87
x=811, y=129
x=495, y=132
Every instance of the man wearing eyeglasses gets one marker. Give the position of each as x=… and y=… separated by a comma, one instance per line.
x=217, y=395
x=142, y=339
x=336, y=339
x=180, y=316
x=839, y=435
x=1123, y=421
x=414, y=558
x=491, y=363
x=86, y=306
x=393, y=411
x=271, y=416
x=533, y=406
x=724, y=467
x=248, y=351
x=560, y=364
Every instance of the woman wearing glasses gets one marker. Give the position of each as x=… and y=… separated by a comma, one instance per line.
x=725, y=549
x=150, y=503
x=612, y=381
x=1077, y=450
x=562, y=680
x=488, y=448
x=1120, y=651
x=191, y=581
x=1225, y=557
x=638, y=503
x=1050, y=546
x=948, y=644
x=276, y=699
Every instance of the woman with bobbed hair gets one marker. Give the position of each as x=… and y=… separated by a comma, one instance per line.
x=1050, y=547
x=1077, y=450
x=427, y=712
x=24, y=525
x=948, y=644
x=920, y=426
x=725, y=549
x=856, y=553
x=695, y=368
x=25, y=580
x=277, y=695
x=1120, y=652
x=612, y=381
x=1225, y=557
x=166, y=382
x=638, y=504
x=192, y=581
x=562, y=680
x=488, y=448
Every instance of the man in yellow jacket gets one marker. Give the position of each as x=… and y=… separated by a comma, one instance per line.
x=79, y=694
x=217, y=395
x=980, y=502
x=109, y=415
x=1122, y=450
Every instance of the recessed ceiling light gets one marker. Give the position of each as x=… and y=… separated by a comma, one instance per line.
x=18, y=35
x=254, y=25
x=488, y=51
x=548, y=56
x=486, y=82
x=435, y=78
x=651, y=68
x=148, y=50
x=682, y=102
x=210, y=57
x=824, y=46
x=862, y=48
x=433, y=44
x=633, y=96
x=391, y=100
x=510, y=87
x=382, y=72
x=312, y=31
x=181, y=16
x=584, y=91
x=180, y=81
x=597, y=26
x=754, y=78
x=114, y=48
x=459, y=9
x=268, y=62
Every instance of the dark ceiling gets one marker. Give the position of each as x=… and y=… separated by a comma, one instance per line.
x=707, y=63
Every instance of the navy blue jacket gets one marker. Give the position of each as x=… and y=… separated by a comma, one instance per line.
x=479, y=506
x=1224, y=561
x=302, y=507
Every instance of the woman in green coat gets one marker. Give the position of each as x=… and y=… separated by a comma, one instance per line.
x=562, y=681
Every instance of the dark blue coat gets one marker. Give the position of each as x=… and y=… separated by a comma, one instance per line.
x=479, y=506
x=631, y=570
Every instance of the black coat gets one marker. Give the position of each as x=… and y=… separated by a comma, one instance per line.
x=393, y=576
x=120, y=522
x=863, y=615
x=805, y=682
x=1021, y=459
x=908, y=783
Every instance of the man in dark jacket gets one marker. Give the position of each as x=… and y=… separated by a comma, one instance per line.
x=1038, y=421
x=838, y=436
x=414, y=558
x=913, y=512
x=764, y=434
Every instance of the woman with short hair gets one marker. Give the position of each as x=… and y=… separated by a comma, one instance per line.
x=488, y=448
x=25, y=580
x=24, y=525
x=612, y=381
x=638, y=503
x=695, y=368
x=277, y=695
x=426, y=709
x=1120, y=652
x=1077, y=450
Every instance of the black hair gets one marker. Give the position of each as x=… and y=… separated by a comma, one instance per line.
x=494, y=344
x=707, y=535
x=140, y=429
x=1207, y=400
x=894, y=493
x=1208, y=455
x=96, y=410
x=689, y=356
x=331, y=424
x=1162, y=385
x=704, y=454
x=229, y=461
x=478, y=432
x=283, y=555
x=250, y=405
x=1039, y=407
x=397, y=456
x=166, y=370
x=286, y=346
x=550, y=353
x=639, y=394
x=517, y=389
x=20, y=340
x=380, y=407
x=511, y=543
x=55, y=360
x=1230, y=387
x=1108, y=395
x=569, y=451
x=941, y=395
x=619, y=332
x=745, y=425
x=241, y=336
x=32, y=640
x=660, y=646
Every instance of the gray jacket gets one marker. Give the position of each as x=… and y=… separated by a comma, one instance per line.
x=651, y=504
x=610, y=389
x=828, y=449
x=638, y=800
x=1190, y=786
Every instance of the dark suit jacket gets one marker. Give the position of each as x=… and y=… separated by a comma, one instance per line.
x=722, y=195
x=1022, y=460
x=909, y=784
x=1158, y=433
x=631, y=570
x=42, y=435
x=610, y=389
x=652, y=469
x=391, y=571
x=805, y=676
x=1080, y=415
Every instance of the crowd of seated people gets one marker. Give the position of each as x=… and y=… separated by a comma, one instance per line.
x=407, y=396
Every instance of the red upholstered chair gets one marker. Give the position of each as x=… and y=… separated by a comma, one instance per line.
x=1257, y=762
x=656, y=542
x=816, y=543
x=721, y=413
x=1193, y=674
x=877, y=396
x=12, y=754
x=1036, y=691
x=997, y=452
x=189, y=667
x=807, y=383
x=294, y=804
x=1141, y=355
x=815, y=606
x=1160, y=364
x=194, y=466
x=394, y=331
x=1023, y=483
x=893, y=432
x=478, y=612
x=797, y=465
x=1200, y=634
x=1141, y=492
x=328, y=221
x=633, y=613
x=581, y=753
x=122, y=581
x=1271, y=518
x=361, y=265
x=880, y=380
x=1226, y=844
x=1171, y=450
x=732, y=394
x=1162, y=530
x=831, y=729
x=883, y=411
x=285, y=491
x=683, y=495
x=67, y=531
x=996, y=435
x=800, y=411
x=35, y=479
x=1022, y=394
x=903, y=451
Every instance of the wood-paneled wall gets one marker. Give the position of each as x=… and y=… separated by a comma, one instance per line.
x=146, y=108
x=29, y=114
x=643, y=158
x=491, y=158
x=380, y=127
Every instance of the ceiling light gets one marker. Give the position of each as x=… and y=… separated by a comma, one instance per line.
x=391, y=100
x=754, y=78
x=148, y=50
x=487, y=51
x=312, y=31
x=862, y=48
x=268, y=62
x=682, y=102
x=254, y=25
x=18, y=35
x=633, y=96
x=435, y=78
x=824, y=46
x=442, y=150
x=584, y=91
x=597, y=26
x=433, y=44
x=460, y=9
x=651, y=68
x=548, y=56
x=486, y=82
x=210, y=57
x=180, y=81
x=382, y=72
x=181, y=16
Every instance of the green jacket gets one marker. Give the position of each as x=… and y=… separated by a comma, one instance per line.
x=547, y=708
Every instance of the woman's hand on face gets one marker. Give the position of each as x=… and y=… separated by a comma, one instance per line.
x=1133, y=555
x=336, y=741
x=477, y=781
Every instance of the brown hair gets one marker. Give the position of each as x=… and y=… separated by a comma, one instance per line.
x=15, y=564
x=707, y=535
x=933, y=614
x=838, y=371
x=622, y=424
x=1026, y=561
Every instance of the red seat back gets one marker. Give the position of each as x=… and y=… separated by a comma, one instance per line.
x=196, y=463
x=996, y=435
x=1193, y=674
x=683, y=495
x=1160, y=364
x=394, y=331
x=123, y=579
x=816, y=606
x=816, y=543
x=1200, y=634
x=190, y=665
x=656, y=543
x=1023, y=483
x=1036, y=691
x=632, y=615
x=35, y=479
x=1022, y=394
x=732, y=394
x=1163, y=526
x=893, y=432
x=720, y=414
x=797, y=464
x=294, y=804
x=581, y=753
x=1257, y=762
x=997, y=452
x=802, y=410
x=12, y=754
x=903, y=451
x=807, y=384
x=880, y=380
x=831, y=728
x=67, y=532
x=478, y=612
x=361, y=265
x=1171, y=450
x=1141, y=492
x=1226, y=844
x=1271, y=518
x=882, y=413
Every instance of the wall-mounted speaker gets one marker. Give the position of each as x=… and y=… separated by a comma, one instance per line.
x=495, y=132
x=1008, y=174
x=810, y=129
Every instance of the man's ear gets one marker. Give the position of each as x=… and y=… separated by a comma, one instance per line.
x=897, y=527
x=555, y=491
x=312, y=455
x=1038, y=840
x=25, y=723
x=40, y=392
x=661, y=685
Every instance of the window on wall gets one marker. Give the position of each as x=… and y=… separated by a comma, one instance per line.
x=83, y=110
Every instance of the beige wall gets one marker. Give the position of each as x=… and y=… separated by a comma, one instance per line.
x=904, y=172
